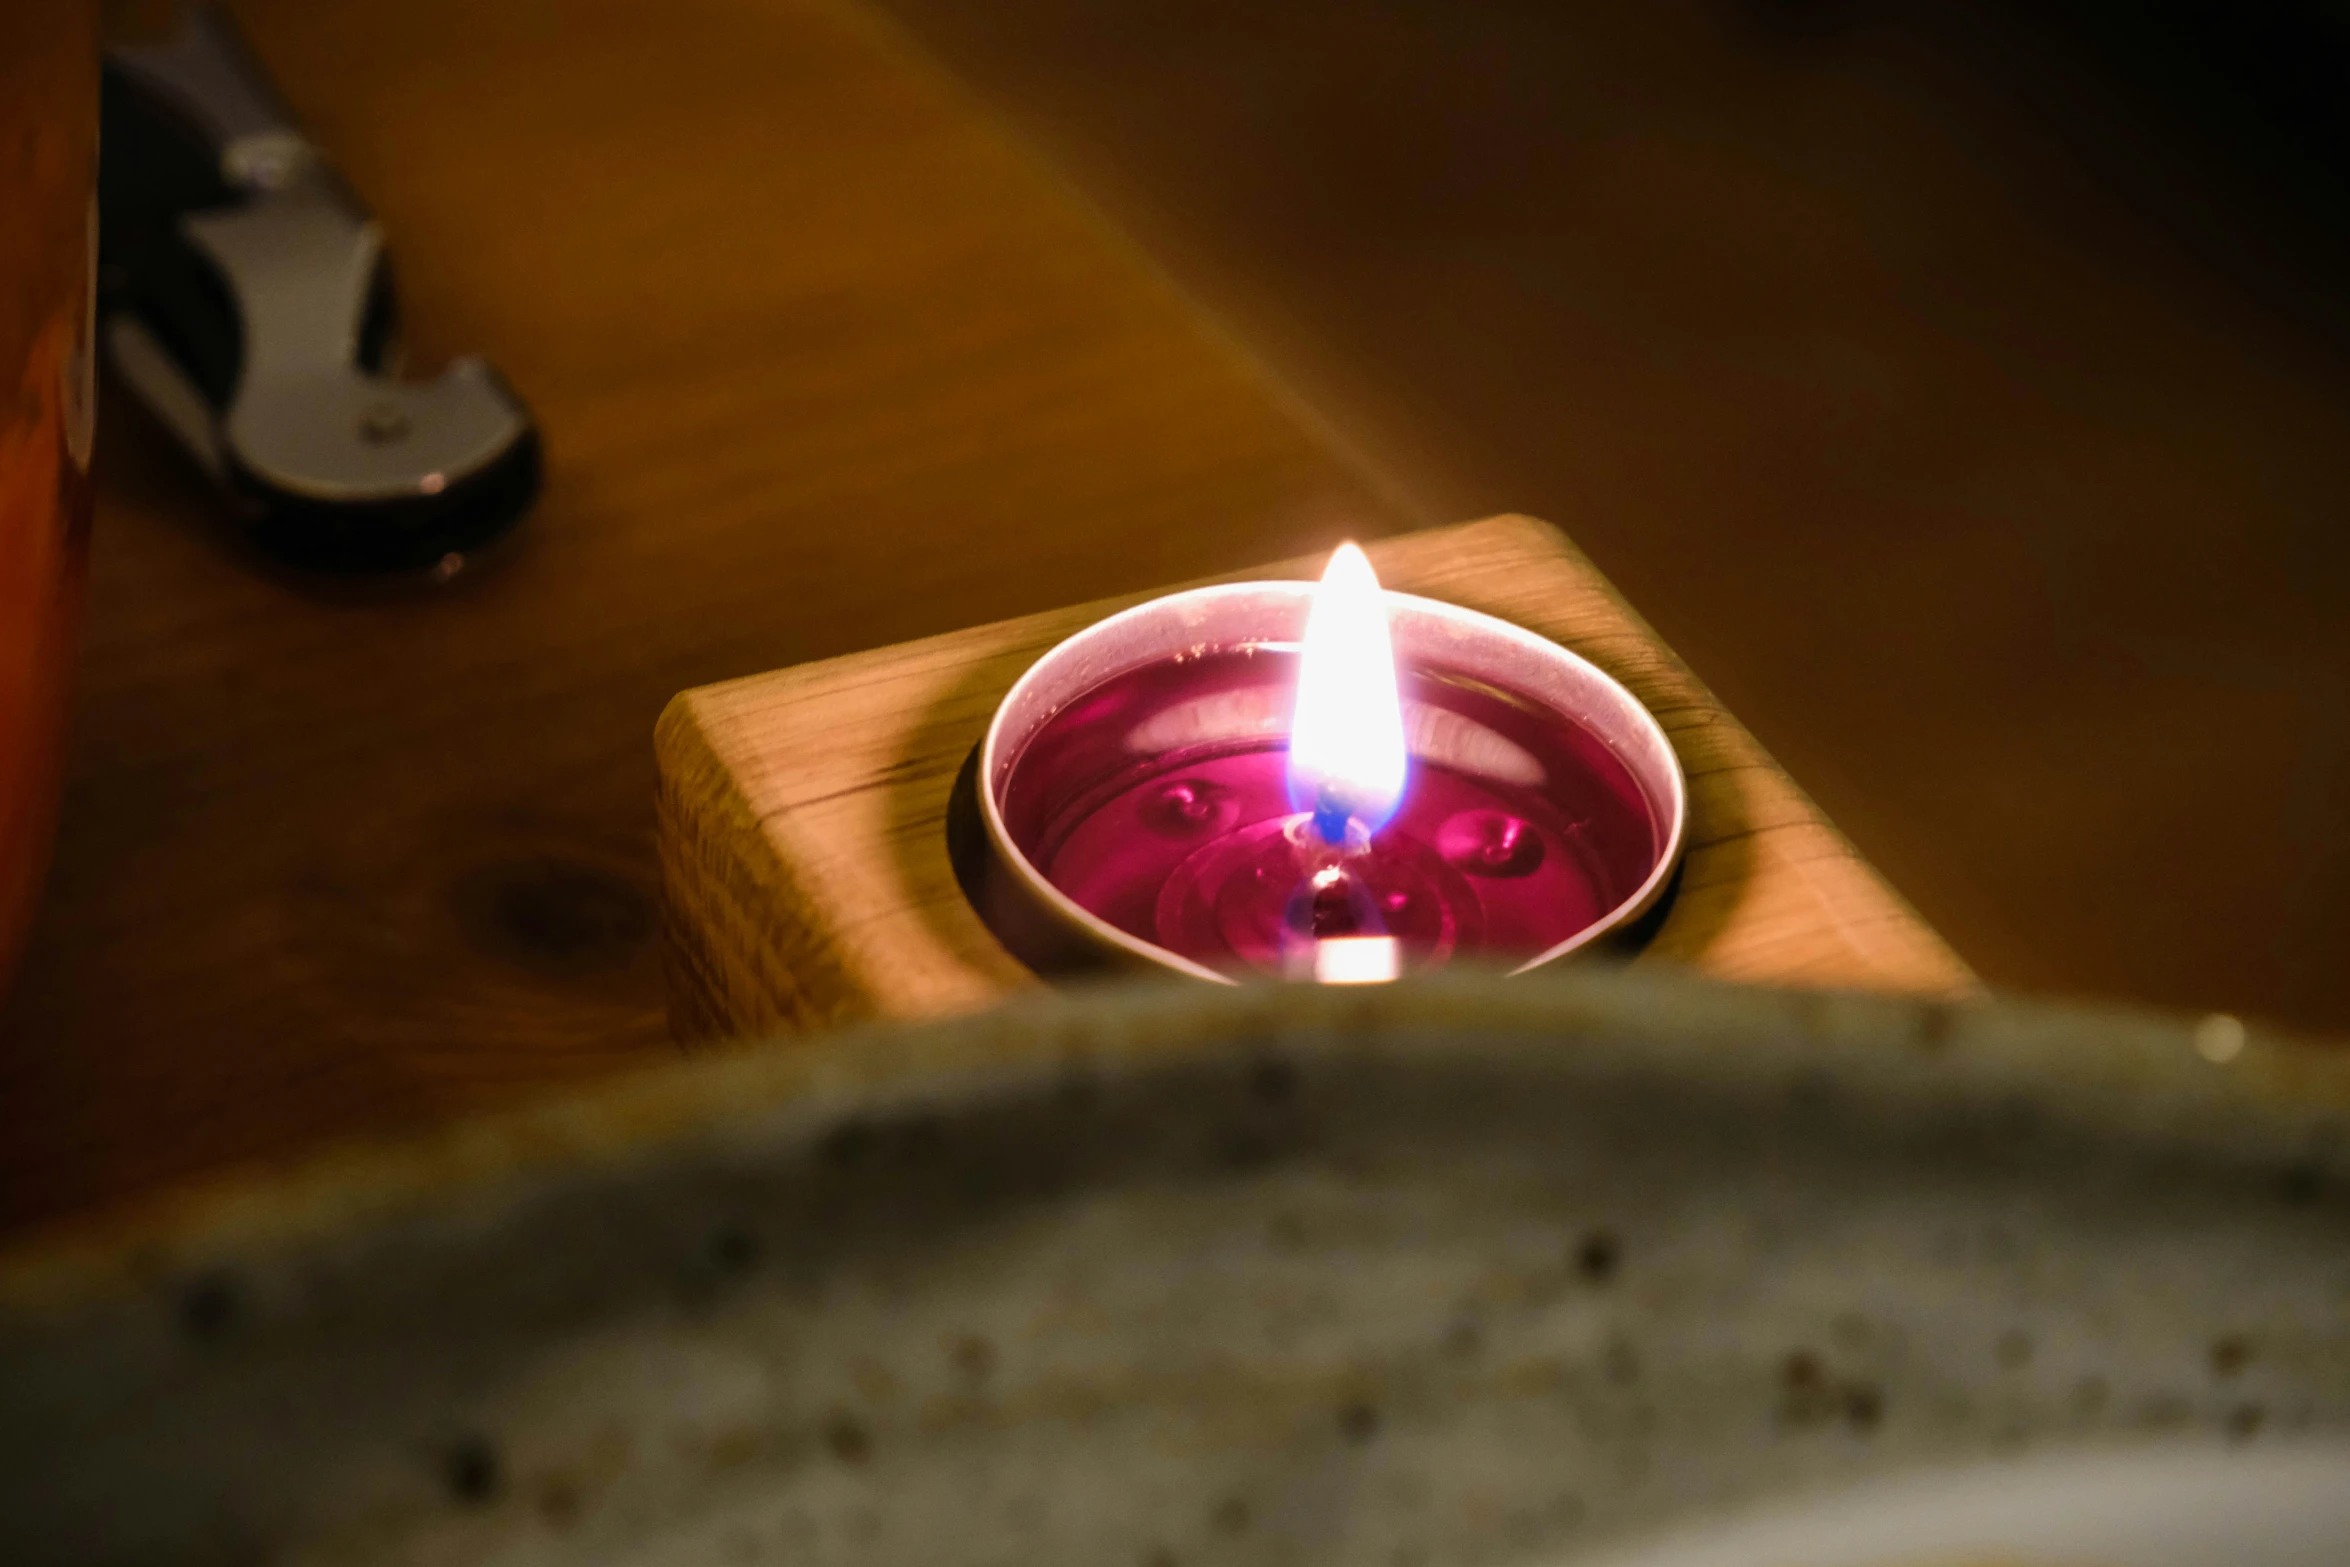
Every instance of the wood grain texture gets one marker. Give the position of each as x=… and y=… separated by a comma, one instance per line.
x=803, y=813
x=823, y=360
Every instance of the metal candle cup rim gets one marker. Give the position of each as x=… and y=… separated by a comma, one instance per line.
x=1231, y=615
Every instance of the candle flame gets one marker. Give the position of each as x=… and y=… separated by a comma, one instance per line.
x=1346, y=740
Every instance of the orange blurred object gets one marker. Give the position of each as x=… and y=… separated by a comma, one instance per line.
x=48, y=223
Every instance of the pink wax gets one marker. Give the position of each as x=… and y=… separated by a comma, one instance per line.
x=1159, y=802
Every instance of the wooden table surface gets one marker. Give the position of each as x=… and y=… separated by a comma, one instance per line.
x=824, y=360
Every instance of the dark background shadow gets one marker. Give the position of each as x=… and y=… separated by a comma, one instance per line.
x=1961, y=388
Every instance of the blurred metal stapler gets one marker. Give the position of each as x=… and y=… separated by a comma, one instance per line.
x=251, y=307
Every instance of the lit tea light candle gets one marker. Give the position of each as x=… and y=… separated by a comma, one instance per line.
x=1326, y=782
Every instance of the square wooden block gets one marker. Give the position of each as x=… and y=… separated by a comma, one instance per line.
x=803, y=813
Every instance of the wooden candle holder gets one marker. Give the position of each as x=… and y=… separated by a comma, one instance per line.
x=803, y=813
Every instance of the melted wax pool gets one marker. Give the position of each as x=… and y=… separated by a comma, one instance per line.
x=1159, y=802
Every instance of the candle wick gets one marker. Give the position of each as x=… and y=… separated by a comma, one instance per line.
x=1332, y=902
x=1335, y=822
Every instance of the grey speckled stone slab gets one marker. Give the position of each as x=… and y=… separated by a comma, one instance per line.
x=1459, y=1273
